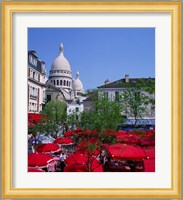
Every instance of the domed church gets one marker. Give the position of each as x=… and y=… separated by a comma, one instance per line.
x=61, y=85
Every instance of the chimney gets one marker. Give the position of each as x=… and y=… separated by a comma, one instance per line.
x=127, y=78
x=106, y=81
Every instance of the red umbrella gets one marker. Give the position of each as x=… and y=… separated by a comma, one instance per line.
x=133, y=139
x=39, y=159
x=80, y=159
x=147, y=141
x=89, y=152
x=121, y=134
x=30, y=124
x=77, y=157
x=68, y=134
x=126, y=152
x=76, y=167
x=48, y=148
x=64, y=140
x=111, y=132
x=34, y=170
x=149, y=133
x=37, y=118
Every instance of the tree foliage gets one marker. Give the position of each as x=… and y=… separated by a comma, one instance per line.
x=55, y=111
x=139, y=100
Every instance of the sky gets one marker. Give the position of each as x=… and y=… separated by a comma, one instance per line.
x=98, y=53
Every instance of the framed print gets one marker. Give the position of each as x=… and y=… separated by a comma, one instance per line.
x=140, y=41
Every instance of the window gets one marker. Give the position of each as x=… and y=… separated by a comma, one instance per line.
x=105, y=94
x=57, y=82
x=48, y=97
x=64, y=82
x=60, y=82
x=116, y=96
x=54, y=82
x=67, y=83
x=77, y=109
x=34, y=75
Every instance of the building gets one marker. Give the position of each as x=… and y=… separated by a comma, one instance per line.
x=113, y=90
x=61, y=84
x=36, y=83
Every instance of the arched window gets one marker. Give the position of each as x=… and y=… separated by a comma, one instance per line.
x=60, y=82
x=64, y=82
x=57, y=82
x=54, y=82
x=67, y=83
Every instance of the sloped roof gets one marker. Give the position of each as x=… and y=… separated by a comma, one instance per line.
x=121, y=83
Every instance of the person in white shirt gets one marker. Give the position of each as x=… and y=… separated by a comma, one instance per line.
x=62, y=161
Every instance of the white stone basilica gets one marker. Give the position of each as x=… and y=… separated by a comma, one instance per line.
x=61, y=85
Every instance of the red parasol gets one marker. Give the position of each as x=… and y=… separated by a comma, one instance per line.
x=121, y=134
x=39, y=159
x=133, y=139
x=77, y=157
x=36, y=118
x=76, y=167
x=80, y=159
x=48, y=148
x=30, y=124
x=147, y=141
x=68, y=134
x=64, y=140
x=126, y=152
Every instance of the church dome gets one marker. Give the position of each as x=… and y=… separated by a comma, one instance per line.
x=77, y=84
x=61, y=63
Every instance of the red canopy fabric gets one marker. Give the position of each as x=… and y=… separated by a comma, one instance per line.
x=147, y=141
x=36, y=118
x=126, y=152
x=133, y=139
x=39, y=159
x=121, y=134
x=34, y=170
x=48, y=148
x=88, y=153
x=76, y=167
x=77, y=157
x=80, y=159
x=68, y=134
x=30, y=124
x=64, y=140
x=150, y=163
x=111, y=132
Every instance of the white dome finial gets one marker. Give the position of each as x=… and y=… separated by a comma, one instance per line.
x=61, y=48
x=77, y=74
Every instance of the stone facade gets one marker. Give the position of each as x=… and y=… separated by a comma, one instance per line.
x=36, y=83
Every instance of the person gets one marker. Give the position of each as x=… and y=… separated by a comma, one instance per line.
x=62, y=161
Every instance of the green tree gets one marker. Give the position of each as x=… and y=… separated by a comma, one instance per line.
x=137, y=100
x=55, y=111
x=101, y=120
